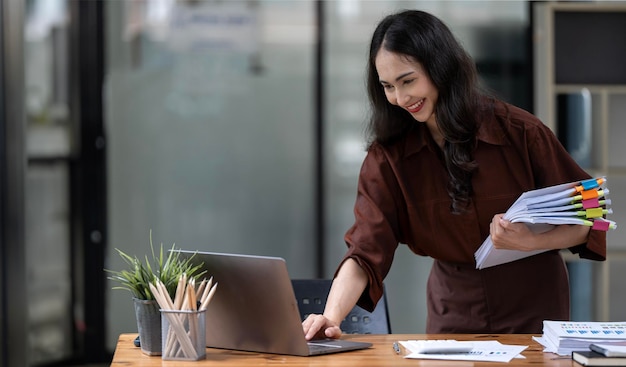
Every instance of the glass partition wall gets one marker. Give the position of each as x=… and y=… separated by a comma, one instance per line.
x=210, y=123
x=48, y=134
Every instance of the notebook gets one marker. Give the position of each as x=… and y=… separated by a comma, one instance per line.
x=255, y=309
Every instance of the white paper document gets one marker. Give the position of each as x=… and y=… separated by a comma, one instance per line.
x=564, y=337
x=581, y=203
x=487, y=351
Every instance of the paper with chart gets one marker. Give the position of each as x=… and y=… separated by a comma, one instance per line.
x=564, y=337
x=581, y=202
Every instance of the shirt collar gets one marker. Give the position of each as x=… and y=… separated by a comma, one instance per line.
x=490, y=131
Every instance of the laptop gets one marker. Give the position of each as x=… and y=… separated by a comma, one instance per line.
x=255, y=309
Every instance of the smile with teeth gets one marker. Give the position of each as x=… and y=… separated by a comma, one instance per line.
x=416, y=106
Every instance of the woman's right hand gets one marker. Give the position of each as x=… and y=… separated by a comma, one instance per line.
x=346, y=289
x=319, y=327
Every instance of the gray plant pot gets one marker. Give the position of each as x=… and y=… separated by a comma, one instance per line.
x=149, y=326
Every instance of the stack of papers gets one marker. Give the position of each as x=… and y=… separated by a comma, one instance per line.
x=564, y=337
x=581, y=202
x=488, y=351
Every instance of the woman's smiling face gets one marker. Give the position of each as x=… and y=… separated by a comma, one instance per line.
x=407, y=85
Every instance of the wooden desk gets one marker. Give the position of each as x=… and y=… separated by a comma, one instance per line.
x=381, y=354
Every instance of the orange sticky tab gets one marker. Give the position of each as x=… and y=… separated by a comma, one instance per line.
x=589, y=194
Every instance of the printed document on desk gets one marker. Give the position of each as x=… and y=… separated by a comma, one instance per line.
x=487, y=351
x=564, y=337
x=580, y=202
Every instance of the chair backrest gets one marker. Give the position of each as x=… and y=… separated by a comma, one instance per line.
x=311, y=295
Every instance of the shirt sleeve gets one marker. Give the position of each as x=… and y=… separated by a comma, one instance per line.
x=553, y=165
x=373, y=238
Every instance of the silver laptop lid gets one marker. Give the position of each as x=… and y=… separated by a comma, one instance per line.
x=254, y=307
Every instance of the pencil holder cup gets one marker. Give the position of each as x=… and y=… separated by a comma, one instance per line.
x=183, y=335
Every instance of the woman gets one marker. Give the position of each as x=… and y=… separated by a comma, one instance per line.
x=444, y=163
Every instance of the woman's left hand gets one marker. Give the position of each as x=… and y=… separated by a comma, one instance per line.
x=517, y=236
x=511, y=236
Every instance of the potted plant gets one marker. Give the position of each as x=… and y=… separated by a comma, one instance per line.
x=168, y=268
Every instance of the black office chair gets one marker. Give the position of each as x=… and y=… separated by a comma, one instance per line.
x=311, y=296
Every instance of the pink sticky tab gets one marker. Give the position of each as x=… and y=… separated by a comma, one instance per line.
x=600, y=225
x=591, y=203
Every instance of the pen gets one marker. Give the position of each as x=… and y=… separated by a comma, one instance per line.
x=396, y=347
x=399, y=349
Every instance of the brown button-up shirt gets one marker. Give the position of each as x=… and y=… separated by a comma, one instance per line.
x=402, y=199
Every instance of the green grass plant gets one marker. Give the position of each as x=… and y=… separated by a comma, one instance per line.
x=166, y=267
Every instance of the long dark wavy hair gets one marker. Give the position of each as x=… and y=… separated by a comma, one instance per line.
x=424, y=38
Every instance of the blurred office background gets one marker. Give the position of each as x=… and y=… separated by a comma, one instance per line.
x=233, y=126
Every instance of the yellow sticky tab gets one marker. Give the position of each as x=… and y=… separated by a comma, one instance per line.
x=594, y=213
